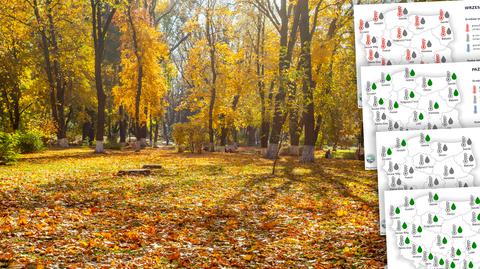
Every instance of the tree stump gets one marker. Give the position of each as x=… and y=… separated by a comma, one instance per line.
x=135, y=172
x=152, y=166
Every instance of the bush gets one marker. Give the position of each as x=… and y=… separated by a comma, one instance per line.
x=29, y=142
x=191, y=135
x=9, y=151
x=113, y=145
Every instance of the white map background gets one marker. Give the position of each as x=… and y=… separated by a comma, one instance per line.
x=418, y=97
x=410, y=33
x=433, y=229
x=427, y=160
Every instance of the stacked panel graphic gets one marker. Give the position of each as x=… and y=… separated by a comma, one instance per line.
x=417, y=81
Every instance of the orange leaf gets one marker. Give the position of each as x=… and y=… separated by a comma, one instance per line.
x=174, y=256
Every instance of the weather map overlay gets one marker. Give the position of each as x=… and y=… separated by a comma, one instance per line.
x=433, y=229
x=430, y=159
x=415, y=33
x=418, y=97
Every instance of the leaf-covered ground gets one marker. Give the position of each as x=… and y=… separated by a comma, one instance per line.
x=69, y=209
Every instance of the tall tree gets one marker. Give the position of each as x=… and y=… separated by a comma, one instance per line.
x=285, y=19
x=308, y=85
x=143, y=83
x=261, y=84
x=210, y=33
x=15, y=69
x=47, y=29
x=102, y=15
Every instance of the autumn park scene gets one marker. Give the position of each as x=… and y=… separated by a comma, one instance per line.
x=183, y=134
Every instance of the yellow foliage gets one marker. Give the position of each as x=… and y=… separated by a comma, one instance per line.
x=154, y=54
x=191, y=135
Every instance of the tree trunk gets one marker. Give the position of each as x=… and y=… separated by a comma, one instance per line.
x=16, y=108
x=143, y=135
x=123, y=126
x=101, y=100
x=318, y=127
x=59, y=83
x=54, y=74
x=294, y=132
x=157, y=127
x=12, y=103
x=308, y=154
x=287, y=44
x=150, y=132
x=251, y=138
x=265, y=115
x=86, y=132
x=99, y=30
x=223, y=136
x=166, y=133
x=234, y=132
x=213, y=90
x=140, y=126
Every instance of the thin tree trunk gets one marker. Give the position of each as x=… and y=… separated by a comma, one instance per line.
x=17, y=95
x=155, y=139
x=150, y=132
x=166, y=133
x=139, y=126
x=213, y=90
x=294, y=129
x=260, y=52
x=123, y=125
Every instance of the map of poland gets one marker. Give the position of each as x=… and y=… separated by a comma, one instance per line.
x=408, y=100
x=399, y=36
x=434, y=229
x=415, y=33
x=426, y=160
x=418, y=97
